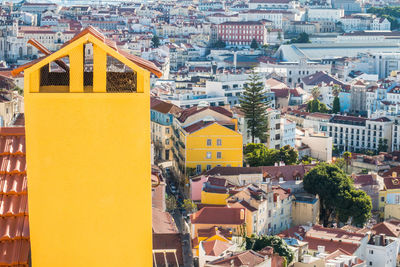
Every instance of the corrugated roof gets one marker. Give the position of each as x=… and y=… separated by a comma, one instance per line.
x=14, y=225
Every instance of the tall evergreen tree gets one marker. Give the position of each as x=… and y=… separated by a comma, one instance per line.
x=155, y=41
x=254, y=105
x=336, y=105
x=254, y=44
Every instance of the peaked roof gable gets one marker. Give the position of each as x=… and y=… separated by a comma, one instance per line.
x=90, y=34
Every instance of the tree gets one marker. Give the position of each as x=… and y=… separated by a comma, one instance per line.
x=347, y=159
x=257, y=243
x=340, y=163
x=254, y=106
x=336, y=90
x=260, y=155
x=155, y=41
x=219, y=44
x=254, y=44
x=315, y=92
x=170, y=203
x=383, y=145
x=302, y=38
x=189, y=206
x=316, y=106
x=337, y=195
x=336, y=105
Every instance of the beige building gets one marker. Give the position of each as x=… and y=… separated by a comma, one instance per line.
x=320, y=145
x=305, y=209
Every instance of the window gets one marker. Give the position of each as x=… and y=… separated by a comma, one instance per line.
x=219, y=155
x=167, y=130
x=370, y=263
x=371, y=251
x=167, y=141
x=219, y=142
x=208, y=167
x=397, y=199
x=209, y=142
x=208, y=155
x=382, y=199
x=198, y=169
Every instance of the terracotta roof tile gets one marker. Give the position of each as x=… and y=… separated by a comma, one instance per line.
x=391, y=183
x=14, y=224
x=215, y=247
x=387, y=228
x=197, y=126
x=194, y=110
x=330, y=246
x=245, y=258
x=218, y=216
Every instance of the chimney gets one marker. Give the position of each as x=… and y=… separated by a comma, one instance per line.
x=321, y=249
x=242, y=214
x=276, y=164
x=377, y=240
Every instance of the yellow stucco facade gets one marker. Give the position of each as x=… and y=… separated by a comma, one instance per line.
x=196, y=153
x=89, y=165
x=213, y=198
x=387, y=206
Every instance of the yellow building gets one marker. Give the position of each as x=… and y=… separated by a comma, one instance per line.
x=211, y=234
x=205, y=137
x=214, y=196
x=389, y=198
x=88, y=151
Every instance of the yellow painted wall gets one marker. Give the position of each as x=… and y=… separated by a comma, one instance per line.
x=392, y=211
x=88, y=156
x=231, y=148
x=213, y=198
x=303, y=213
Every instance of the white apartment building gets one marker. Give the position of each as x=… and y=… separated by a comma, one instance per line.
x=320, y=145
x=282, y=210
x=324, y=14
x=382, y=251
x=275, y=16
x=274, y=4
x=380, y=24
x=356, y=133
x=384, y=63
x=282, y=132
x=396, y=134
x=293, y=72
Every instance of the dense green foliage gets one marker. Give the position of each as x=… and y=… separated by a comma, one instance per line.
x=155, y=41
x=254, y=44
x=259, y=155
x=336, y=105
x=338, y=197
x=218, y=44
x=306, y=160
x=254, y=106
x=189, y=206
x=302, y=38
x=392, y=13
x=316, y=106
x=257, y=243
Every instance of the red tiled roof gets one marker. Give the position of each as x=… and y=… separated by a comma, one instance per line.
x=198, y=125
x=330, y=246
x=215, y=247
x=164, y=107
x=391, y=183
x=193, y=110
x=364, y=180
x=148, y=65
x=387, y=228
x=218, y=216
x=245, y=258
x=234, y=171
x=14, y=225
x=287, y=172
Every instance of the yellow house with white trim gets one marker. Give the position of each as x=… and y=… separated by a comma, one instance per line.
x=389, y=198
x=205, y=137
x=88, y=151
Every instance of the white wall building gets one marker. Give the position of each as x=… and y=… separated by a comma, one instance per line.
x=382, y=251
x=324, y=14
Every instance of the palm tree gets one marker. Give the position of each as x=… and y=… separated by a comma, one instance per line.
x=315, y=92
